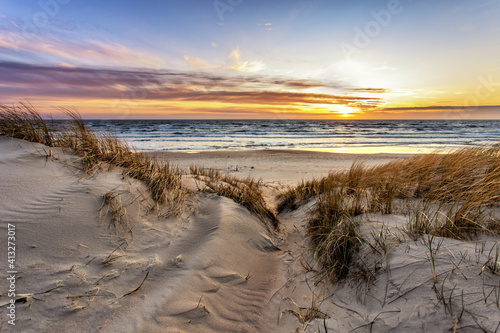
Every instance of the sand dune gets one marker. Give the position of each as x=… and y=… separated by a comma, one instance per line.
x=211, y=269
x=216, y=267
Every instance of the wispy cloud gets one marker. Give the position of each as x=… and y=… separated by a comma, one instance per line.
x=233, y=63
x=268, y=26
x=49, y=48
x=200, y=63
x=371, y=90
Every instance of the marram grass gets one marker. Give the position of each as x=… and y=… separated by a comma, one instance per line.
x=454, y=190
x=247, y=192
x=162, y=179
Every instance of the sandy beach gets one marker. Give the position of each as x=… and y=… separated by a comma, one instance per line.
x=275, y=167
x=216, y=267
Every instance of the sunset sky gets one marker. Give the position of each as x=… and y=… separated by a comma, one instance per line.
x=354, y=59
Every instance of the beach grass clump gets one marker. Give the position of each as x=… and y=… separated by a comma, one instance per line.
x=460, y=219
x=371, y=189
x=333, y=233
x=469, y=175
x=294, y=197
x=453, y=191
x=449, y=176
x=160, y=177
x=244, y=191
x=24, y=122
x=114, y=207
x=464, y=185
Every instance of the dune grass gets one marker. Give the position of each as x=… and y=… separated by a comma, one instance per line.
x=162, y=179
x=333, y=233
x=453, y=191
x=246, y=192
x=24, y=122
x=113, y=207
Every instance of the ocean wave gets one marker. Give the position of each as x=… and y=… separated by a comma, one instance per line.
x=313, y=134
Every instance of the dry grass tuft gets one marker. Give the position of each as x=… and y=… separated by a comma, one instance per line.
x=333, y=234
x=454, y=190
x=305, y=315
x=162, y=179
x=23, y=122
x=246, y=192
x=113, y=206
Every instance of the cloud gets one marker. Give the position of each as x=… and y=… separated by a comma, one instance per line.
x=372, y=90
x=243, y=66
x=441, y=108
x=437, y=112
x=47, y=47
x=267, y=26
x=233, y=63
x=20, y=80
x=203, y=94
x=263, y=97
x=199, y=63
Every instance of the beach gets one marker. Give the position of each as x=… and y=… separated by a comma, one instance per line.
x=96, y=253
x=274, y=167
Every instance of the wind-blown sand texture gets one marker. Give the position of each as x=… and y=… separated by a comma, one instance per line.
x=97, y=254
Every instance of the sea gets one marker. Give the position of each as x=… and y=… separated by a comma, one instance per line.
x=340, y=136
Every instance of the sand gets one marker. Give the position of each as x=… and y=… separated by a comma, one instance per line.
x=216, y=267
x=276, y=168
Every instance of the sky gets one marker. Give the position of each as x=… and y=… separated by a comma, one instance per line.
x=253, y=59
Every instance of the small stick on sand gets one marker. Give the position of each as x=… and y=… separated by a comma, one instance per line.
x=133, y=291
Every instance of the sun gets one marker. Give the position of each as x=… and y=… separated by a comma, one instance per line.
x=342, y=110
